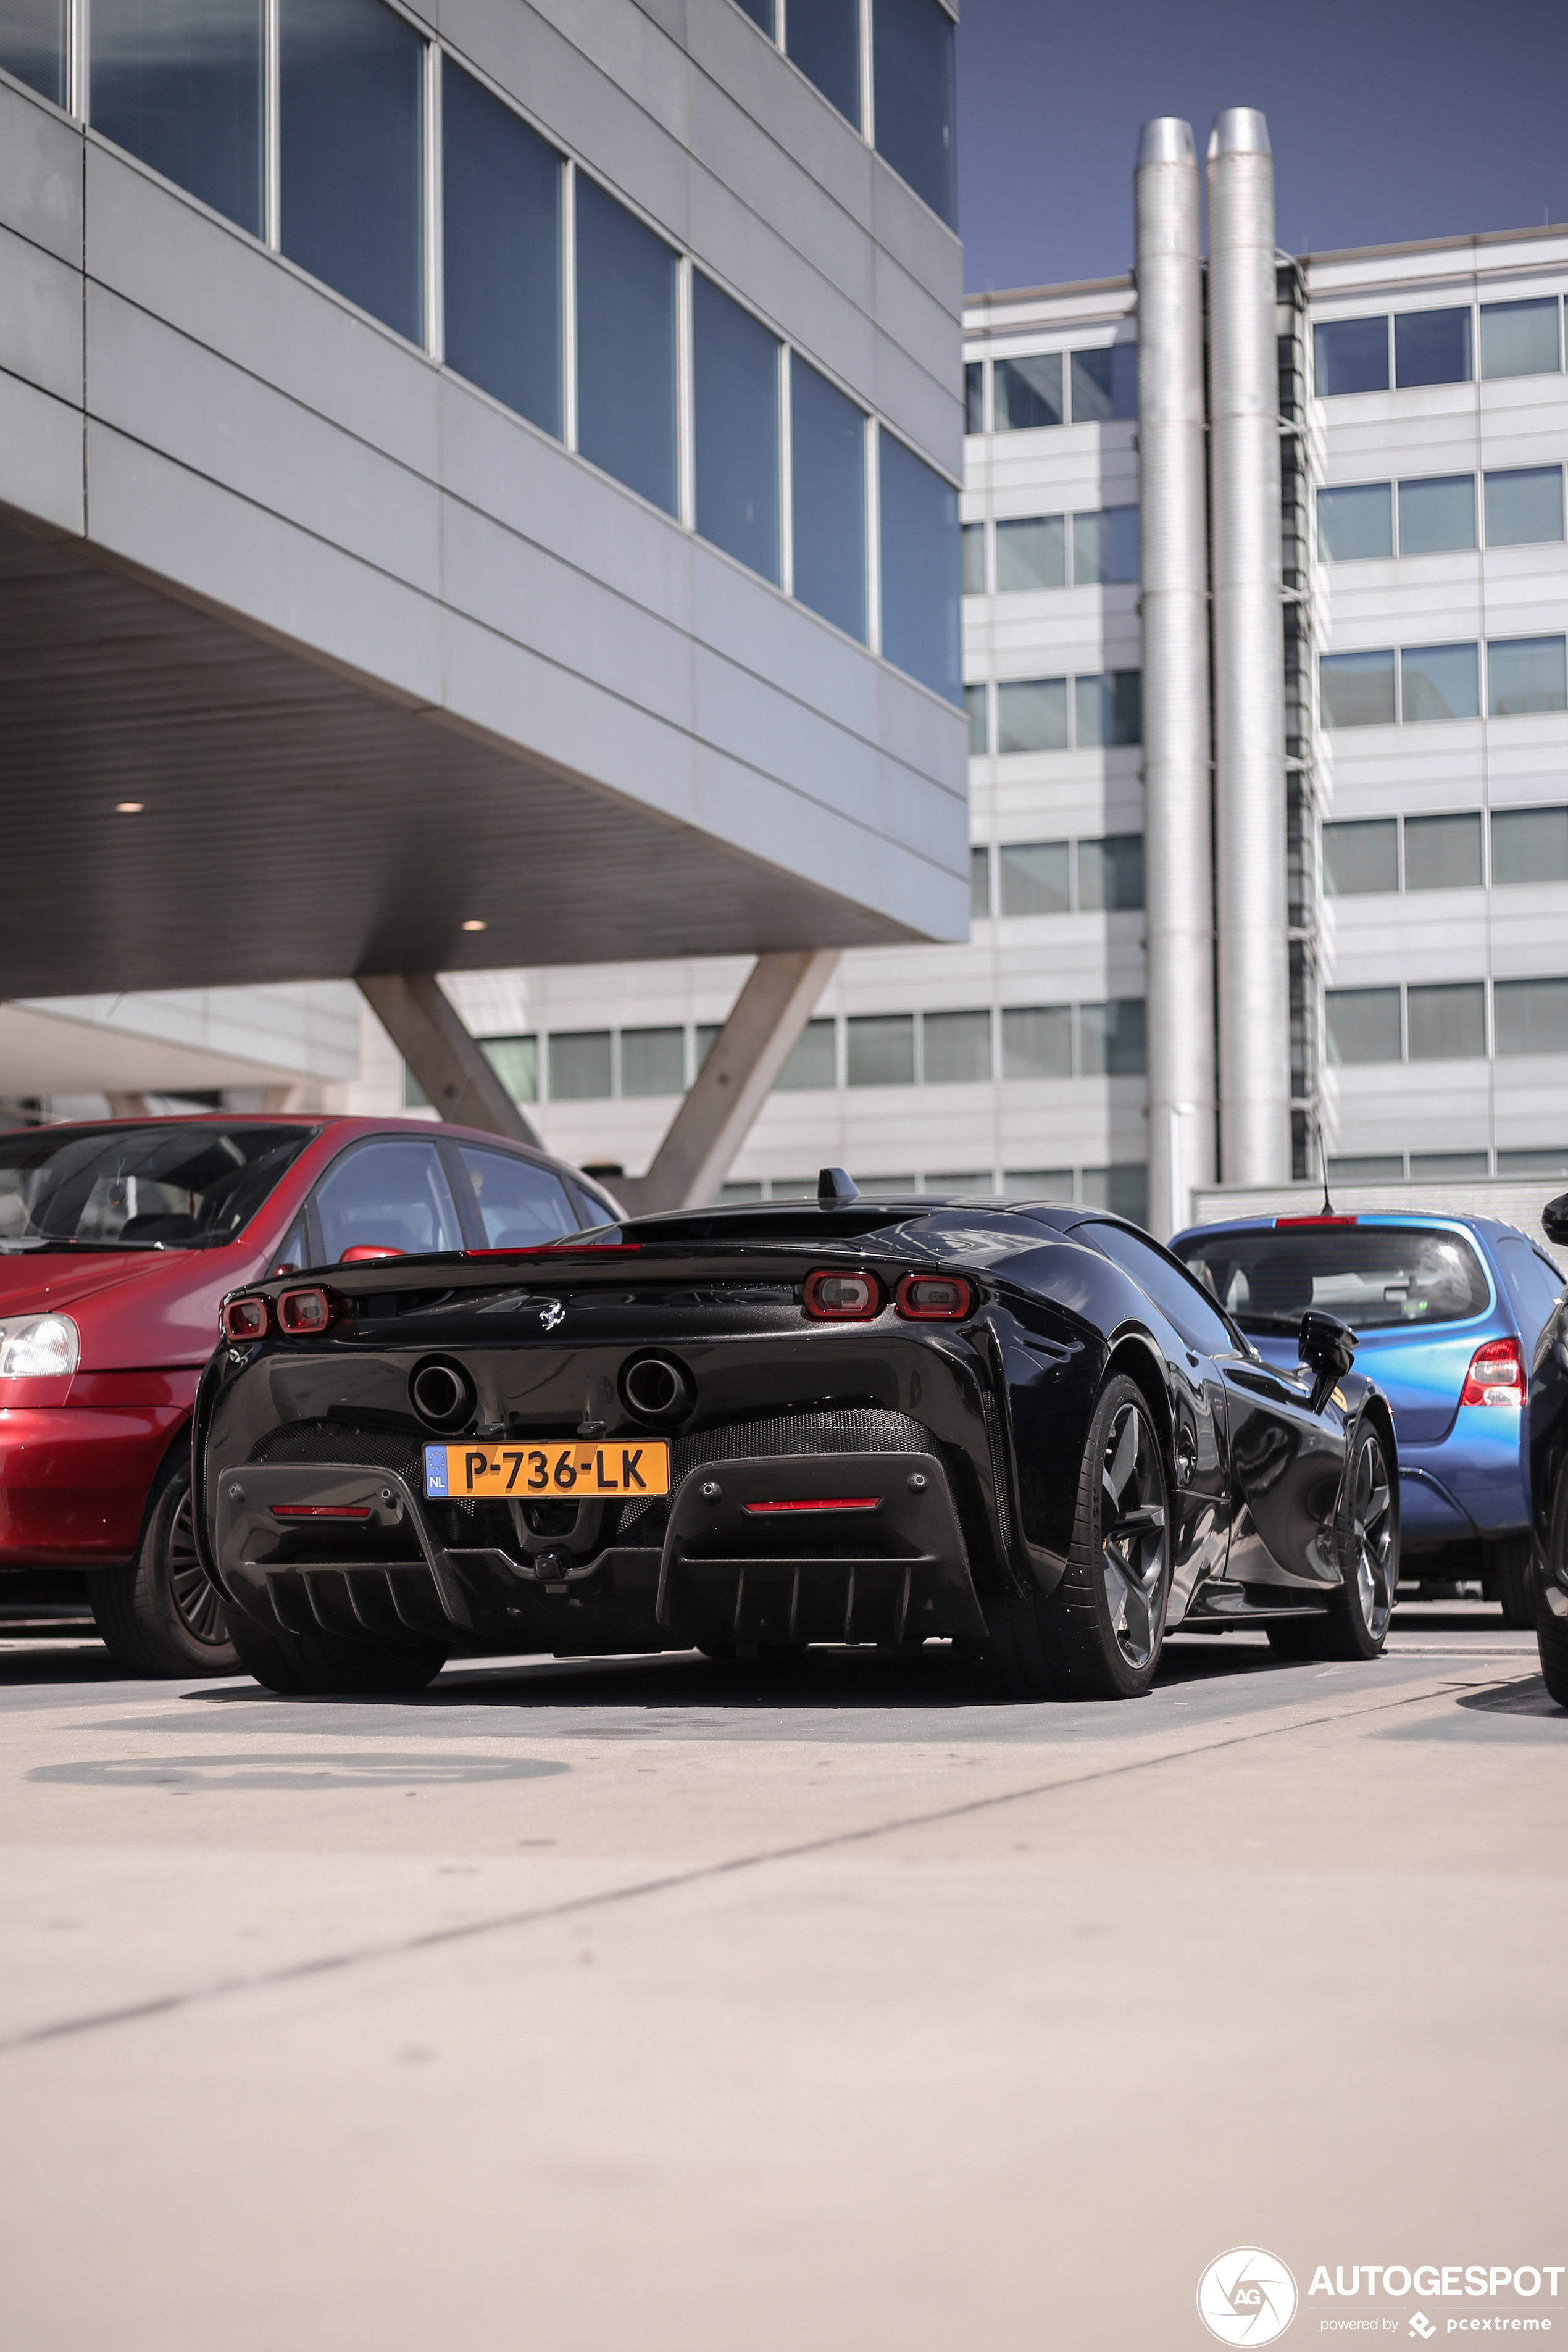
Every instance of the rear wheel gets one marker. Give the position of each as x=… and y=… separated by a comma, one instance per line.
x=161, y=1616
x=304, y=1665
x=1099, y=1634
x=1355, y=1623
x=1508, y=1573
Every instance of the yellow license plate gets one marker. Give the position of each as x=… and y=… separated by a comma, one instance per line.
x=528, y=1467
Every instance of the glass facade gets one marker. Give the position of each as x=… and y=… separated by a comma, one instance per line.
x=1036, y=1040
x=823, y=37
x=181, y=88
x=1519, y=338
x=1105, y=548
x=1437, y=516
x=351, y=162
x=1443, y=853
x=1361, y=858
x=1356, y=523
x=1448, y=1023
x=1531, y=1016
x=879, y=1050
x=1112, y=1038
x=1105, y=385
x=1363, y=1025
x=1350, y=355
x=813, y=1060
x=1524, y=506
x=500, y=251
x=1356, y=689
x=33, y=46
x=627, y=346
x=1027, y=393
x=1032, y=715
x=736, y=403
x=653, y=1062
x=1110, y=874
x=581, y=1065
x=761, y=13
x=914, y=77
x=1431, y=347
x=1439, y=682
x=975, y=397
x=979, y=884
x=955, y=1048
x=920, y=614
x=975, y=581
x=1524, y=674
x=1031, y=553
x=827, y=472
x=1530, y=846
x=1109, y=710
x=1034, y=878
x=977, y=702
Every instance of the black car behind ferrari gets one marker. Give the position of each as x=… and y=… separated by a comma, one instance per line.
x=1022, y=1426
x=1547, y=1406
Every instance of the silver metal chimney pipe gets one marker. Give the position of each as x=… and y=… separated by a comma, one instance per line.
x=1249, y=712
x=1177, y=829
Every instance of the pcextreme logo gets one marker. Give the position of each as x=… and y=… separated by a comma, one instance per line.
x=1247, y=2296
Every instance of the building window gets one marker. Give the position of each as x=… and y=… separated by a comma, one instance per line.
x=1447, y=1024
x=761, y=13
x=823, y=37
x=1439, y=1167
x=921, y=612
x=813, y=1061
x=1032, y=715
x=181, y=88
x=1031, y=553
x=704, y=1037
x=1530, y=846
x=1524, y=506
x=1548, y=1159
x=912, y=66
x=977, y=702
x=1363, y=1025
x=1355, y=524
x=1105, y=548
x=1439, y=682
x=1105, y=385
x=1519, y=338
x=1525, y=674
x=1111, y=1038
x=828, y=448
x=653, y=1062
x=1110, y=874
x=1122, y=1188
x=582, y=1065
x=1036, y=1040
x=1437, y=516
x=1431, y=347
x=975, y=397
x=515, y=1061
x=1443, y=853
x=955, y=1048
x=979, y=885
x=351, y=165
x=1027, y=393
x=626, y=347
x=1531, y=1015
x=880, y=1050
x=974, y=540
x=1366, y=1168
x=735, y=418
x=1038, y=1184
x=1033, y=878
x=501, y=251
x=1361, y=858
x=1350, y=355
x=1356, y=689
x=33, y=46
x=1110, y=708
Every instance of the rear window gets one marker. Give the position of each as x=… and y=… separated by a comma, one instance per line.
x=1375, y=1277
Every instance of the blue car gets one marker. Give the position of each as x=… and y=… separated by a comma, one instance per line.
x=1447, y=1311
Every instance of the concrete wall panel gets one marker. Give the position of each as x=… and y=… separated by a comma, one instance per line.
x=40, y=316
x=40, y=175
x=41, y=467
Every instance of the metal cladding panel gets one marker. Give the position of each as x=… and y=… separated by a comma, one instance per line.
x=1249, y=719
x=1177, y=824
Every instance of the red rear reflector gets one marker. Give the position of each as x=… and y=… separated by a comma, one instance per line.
x=243, y=1319
x=305, y=1312
x=1280, y=1222
x=827, y=1503
x=843, y=1297
x=363, y=1253
x=933, y=1298
x=1496, y=1375
x=320, y=1510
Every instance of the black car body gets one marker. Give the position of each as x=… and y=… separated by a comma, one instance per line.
x=1012, y=1424
x=1547, y=1408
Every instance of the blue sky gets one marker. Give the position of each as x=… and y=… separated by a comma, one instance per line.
x=1389, y=120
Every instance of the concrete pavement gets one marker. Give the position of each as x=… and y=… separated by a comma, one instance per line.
x=655, y=2003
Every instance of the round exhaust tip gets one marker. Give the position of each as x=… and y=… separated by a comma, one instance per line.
x=441, y=1393
x=657, y=1388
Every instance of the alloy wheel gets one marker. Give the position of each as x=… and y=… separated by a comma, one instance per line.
x=200, y=1610
x=1371, y=1537
x=1134, y=1541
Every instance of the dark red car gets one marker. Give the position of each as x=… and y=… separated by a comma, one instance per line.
x=116, y=1242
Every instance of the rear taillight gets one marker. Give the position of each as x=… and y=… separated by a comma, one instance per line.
x=933, y=1297
x=843, y=1297
x=243, y=1319
x=1496, y=1375
x=304, y=1313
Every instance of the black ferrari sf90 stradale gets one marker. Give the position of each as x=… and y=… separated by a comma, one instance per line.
x=1022, y=1426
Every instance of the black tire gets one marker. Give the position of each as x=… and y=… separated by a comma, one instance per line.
x=1550, y=1596
x=160, y=1616
x=1099, y=1634
x=313, y=1666
x=1508, y=1573
x=1355, y=1623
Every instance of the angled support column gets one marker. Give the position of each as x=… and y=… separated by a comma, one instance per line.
x=734, y=1083
x=423, y=1024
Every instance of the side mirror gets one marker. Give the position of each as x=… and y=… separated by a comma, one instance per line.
x=1555, y=1220
x=1328, y=1350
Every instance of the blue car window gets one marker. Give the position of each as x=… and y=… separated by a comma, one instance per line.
x=1534, y=1285
x=1375, y=1277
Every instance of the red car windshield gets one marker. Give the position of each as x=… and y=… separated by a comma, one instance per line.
x=1375, y=1277
x=185, y=1186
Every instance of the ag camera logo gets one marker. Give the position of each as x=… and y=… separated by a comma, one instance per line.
x=1247, y=2296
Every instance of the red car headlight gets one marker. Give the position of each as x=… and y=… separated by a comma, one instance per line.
x=933, y=1297
x=843, y=1297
